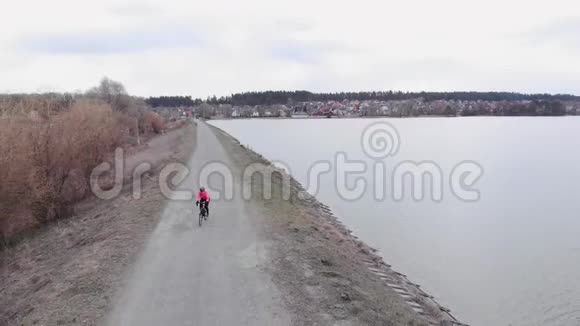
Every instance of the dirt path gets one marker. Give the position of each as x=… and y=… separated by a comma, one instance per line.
x=214, y=275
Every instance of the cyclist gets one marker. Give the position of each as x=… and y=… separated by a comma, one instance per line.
x=203, y=199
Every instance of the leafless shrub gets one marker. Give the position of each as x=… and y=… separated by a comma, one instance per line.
x=154, y=122
x=49, y=144
x=46, y=163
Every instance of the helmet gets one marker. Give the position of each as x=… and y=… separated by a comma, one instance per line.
x=202, y=189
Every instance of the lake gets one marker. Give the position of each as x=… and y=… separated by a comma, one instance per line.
x=512, y=257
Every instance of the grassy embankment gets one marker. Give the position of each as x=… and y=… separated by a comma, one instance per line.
x=320, y=267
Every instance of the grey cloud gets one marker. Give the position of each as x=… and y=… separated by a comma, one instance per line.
x=305, y=52
x=282, y=40
x=292, y=26
x=563, y=32
x=112, y=41
x=133, y=9
x=296, y=52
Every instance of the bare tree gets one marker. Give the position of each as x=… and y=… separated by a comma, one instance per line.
x=226, y=110
x=112, y=93
x=205, y=111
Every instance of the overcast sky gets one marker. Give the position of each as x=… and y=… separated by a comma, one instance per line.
x=201, y=48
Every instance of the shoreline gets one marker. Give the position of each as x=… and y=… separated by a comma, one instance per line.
x=341, y=239
x=391, y=117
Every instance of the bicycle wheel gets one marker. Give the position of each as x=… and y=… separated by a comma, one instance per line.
x=200, y=218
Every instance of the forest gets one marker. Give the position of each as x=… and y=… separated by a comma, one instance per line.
x=289, y=97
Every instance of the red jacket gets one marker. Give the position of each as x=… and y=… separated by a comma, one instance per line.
x=203, y=195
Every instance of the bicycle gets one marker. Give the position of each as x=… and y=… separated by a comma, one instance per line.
x=202, y=213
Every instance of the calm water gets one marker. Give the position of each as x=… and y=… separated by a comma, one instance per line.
x=511, y=258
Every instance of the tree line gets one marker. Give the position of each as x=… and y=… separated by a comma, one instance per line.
x=172, y=101
x=290, y=97
x=533, y=108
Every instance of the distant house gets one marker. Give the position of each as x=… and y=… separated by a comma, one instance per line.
x=385, y=110
x=336, y=106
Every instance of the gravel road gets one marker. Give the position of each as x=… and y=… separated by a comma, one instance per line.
x=213, y=275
